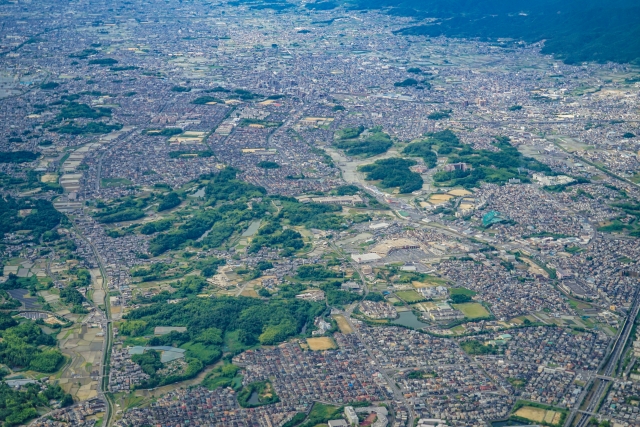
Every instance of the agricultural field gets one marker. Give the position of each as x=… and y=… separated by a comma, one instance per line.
x=83, y=346
x=472, y=310
x=321, y=343
x=344, y=327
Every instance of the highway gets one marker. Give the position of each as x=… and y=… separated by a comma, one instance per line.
x=610, y=368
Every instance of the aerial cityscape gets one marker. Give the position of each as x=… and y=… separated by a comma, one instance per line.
x=284, y=213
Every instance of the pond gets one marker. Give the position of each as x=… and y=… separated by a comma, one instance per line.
x=254, y=399
x=407, y=318
x=199, y=194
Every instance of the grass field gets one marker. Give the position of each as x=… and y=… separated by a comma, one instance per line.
x=472, y=310
x=321, y=343
x=462, y=291
x=201, y=351
x=409, y=297
x=320, y=414
x=343, y=325
x=539, y=415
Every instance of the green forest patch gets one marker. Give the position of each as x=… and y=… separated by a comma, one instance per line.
x=257, y=394
x=359, y=142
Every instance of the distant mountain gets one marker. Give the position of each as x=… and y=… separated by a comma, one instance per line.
x=574, y=30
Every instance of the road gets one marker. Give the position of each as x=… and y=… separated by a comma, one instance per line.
x=610, y=367
x=392, y=384
x=106, y=348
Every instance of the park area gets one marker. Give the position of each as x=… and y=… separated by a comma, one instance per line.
x=472, y=310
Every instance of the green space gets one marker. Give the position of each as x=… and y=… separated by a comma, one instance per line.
x=244, y=95
x=203, y=100
x=567, y=28
x=35, y=215
x=74, y=110
x=615, y=226
x=473, y=310
x=17, y=407
x=266, y=164
x=125, y=209
x=49, y=85
x=320, y=415
x=227, y=214
x=84, y=54
x=410, y=296
x=406, y=83
x=423, y=150
x=417, y=375
x=17, y=156
x=496, y=167
x=156, y=226
x=462, y=291
x=227, y=198
x=394, y=172
x=440, y=114
x=257, y=394
x=91, y=127
x=357, y=142
x=169, y=201
x=226, y=375
x=213, y=325
x=25, y=345
x=476, y=348
x=103, y=62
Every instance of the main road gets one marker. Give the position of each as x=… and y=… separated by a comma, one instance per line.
x=106, y=348
x=614, y=356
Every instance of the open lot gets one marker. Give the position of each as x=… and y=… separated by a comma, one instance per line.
x=321, y=343
x=343, y=325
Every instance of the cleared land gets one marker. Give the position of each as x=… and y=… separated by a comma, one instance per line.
x=321, y=343
x=538, y=415
x=344, y=327
x=460, y=192
x=473, y=310
x=438, y=199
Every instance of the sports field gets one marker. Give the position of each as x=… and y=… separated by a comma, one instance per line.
x=321, y=343
x=472, y=310
x=410, y=296
x=539, y=415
